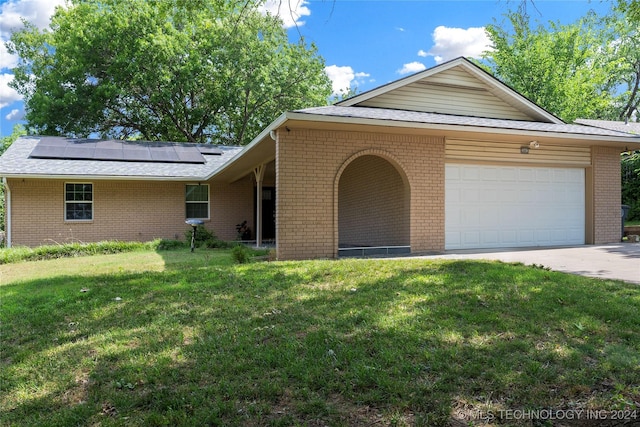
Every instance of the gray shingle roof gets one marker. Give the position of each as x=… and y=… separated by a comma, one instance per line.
x=445, y=119
x=16, y=162
x=631, y=127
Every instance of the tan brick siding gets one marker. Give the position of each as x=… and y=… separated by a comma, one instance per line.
x=230, y=205
x=122, y=210
x=372, y=204
x=307, y=165
x=607, y=197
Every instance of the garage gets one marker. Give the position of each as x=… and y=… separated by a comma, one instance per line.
x=508, y=206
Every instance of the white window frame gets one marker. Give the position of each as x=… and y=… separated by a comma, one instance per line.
x=208, y=201
x=67, y=202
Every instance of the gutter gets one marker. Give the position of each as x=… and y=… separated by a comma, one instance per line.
x=107, y=177
x=7, y=212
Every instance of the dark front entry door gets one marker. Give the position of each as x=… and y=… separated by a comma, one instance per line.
x=268, y=212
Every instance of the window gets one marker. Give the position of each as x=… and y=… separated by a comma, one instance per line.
x=197, y=201
x=78, y=202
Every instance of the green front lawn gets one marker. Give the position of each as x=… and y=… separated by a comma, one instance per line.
x=180, y=339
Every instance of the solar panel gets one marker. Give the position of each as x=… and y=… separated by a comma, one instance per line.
x=80, y=150
x=209, y=149
x=135, y=152
x=108, y=154
x=187, y=154
x=114, y=150
x=163, y=153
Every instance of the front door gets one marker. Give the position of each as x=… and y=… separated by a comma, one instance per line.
x=268, y=212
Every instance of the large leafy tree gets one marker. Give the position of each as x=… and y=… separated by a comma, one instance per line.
x=182, y=70
x=623, y=50
x=631, y=8
x=560, y=67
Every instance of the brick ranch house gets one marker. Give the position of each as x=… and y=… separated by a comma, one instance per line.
x=446, y=159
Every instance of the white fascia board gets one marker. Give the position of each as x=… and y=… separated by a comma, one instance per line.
x=104, y=177
x=464, y=128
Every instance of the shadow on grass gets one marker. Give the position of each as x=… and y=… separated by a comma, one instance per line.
x=347, y=342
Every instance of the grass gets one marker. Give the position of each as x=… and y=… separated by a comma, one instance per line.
x=17, y=254
x=633, y=222
x=179, y=338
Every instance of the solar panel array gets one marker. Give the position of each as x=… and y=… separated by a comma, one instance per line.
x=123, y=151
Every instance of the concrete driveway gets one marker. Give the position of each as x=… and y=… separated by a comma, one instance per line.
x=616, y=261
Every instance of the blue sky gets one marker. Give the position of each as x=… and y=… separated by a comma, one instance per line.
x=365, y=43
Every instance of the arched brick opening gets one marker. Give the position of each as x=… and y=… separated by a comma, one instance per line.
x=373, y=205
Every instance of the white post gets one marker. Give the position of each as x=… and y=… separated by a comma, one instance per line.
x=259, y=174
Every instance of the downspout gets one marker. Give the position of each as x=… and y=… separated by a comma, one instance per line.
x=7, y=212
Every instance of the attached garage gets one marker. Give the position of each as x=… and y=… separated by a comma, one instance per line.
x=508, y=206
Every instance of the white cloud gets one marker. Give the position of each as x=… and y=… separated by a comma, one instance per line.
x=412, y=67
x=8, y=95
x=450, y=43
x=290, y=11
x=12, y=13
x=7, y=60
x=15, y=114
x=342, y=78
x=38, y=12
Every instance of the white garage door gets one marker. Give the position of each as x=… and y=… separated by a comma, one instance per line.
x=503, y=206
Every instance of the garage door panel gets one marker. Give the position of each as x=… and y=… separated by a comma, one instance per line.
x=506, y=206
x=509, y=237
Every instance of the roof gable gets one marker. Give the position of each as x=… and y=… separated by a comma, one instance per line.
x=457, y=87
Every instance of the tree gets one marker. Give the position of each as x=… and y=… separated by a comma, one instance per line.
x=5, y=142
x=561, y=68
x=623, y=50
x=199, y=70
x=631, y=183
x=630, y=8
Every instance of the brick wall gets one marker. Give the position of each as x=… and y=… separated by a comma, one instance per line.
x=373, y=206
x=607, y=197
x=122, y=210
x=230, y=205
x=308, y=165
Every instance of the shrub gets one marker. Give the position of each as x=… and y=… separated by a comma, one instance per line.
x=631, y=183
x=216, y=244
x=241, y=254
x=17, y=254
x=202, y=235
x=167, y=245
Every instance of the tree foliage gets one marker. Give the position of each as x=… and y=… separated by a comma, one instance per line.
x=631, y=8
x=198, y=70
x=559, y=67
x=623, y=50
x=631, y=183
x=5, y=142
